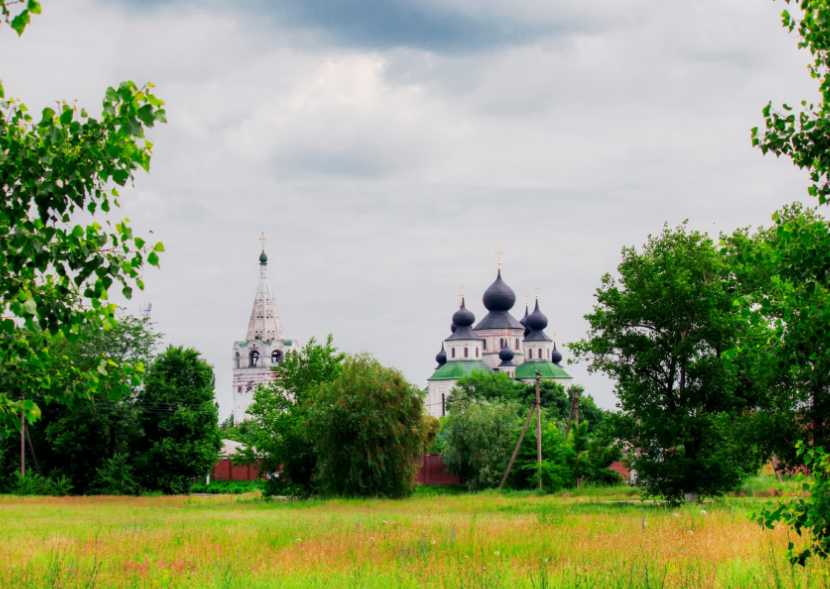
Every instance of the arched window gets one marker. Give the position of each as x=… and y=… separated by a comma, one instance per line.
x=466, y=352
x=476, y=352
x=237, y=360
x=275, y=357
x=517, y=344
x=485, y=344
x=254, y=358
x=501, y=342
x=452, y=352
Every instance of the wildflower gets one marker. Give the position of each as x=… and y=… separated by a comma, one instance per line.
x=676, y=514
x=702, y=512
x=496, y=553
x=299, y=540
x=464, y=557
x=546, y=560
x=691, y=532
x=371, y=539
x=433, y=541
x=384, y=522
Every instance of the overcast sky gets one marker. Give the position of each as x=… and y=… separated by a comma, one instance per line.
x=388, y=147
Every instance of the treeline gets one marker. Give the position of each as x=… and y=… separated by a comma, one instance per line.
x=159, y=437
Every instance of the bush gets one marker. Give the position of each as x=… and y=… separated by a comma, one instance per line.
x=116, y=477
x=369, y=430
x=228, y=487
x=34, y=484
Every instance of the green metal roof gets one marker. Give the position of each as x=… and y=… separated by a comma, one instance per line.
x=544, y=367
x=455, y=369
x=287, y=342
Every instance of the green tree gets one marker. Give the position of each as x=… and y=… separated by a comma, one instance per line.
x=369, y=430
x=280, y=415
x=55, y=274
x=783, y=277
x=75, y=440
x=490, y=386
x=661, y=334
x=479, y=436
x=178, y=418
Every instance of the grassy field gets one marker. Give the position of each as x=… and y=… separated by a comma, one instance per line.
x=589, y=538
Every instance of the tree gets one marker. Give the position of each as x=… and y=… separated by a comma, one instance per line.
x=55, y=275
x=783, y=275
x=661, y=334
x=75, y=440
x=181, y=439
x=369, y=430
x=280, y=415
x=491, y=386
x=479, y=437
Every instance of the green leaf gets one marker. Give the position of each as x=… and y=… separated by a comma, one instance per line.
x=159, y=247
x=153, y=259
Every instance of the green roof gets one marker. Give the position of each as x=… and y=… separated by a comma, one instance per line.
x=287, y=342
x=544, y=367
x=455, y=369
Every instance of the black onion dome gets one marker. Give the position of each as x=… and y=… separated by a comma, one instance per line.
x=453, y=327
x=523, y=321
x=506, y=354
x=441, y=358
x=556, y=356
x=536, y=320
x=499, y=296
x=463, y=317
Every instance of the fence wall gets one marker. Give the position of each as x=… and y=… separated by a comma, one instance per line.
x=225, y=470
x=433, y=471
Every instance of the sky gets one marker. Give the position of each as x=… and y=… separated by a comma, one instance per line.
x=387, y=148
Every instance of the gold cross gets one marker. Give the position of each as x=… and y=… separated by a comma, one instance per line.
x=262, y=240
x=537, y=291
x=526, y=297
x=461, y=293
x=499, y=253
x=554, y=336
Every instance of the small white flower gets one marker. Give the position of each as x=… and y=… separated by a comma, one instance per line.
x=546, y=560
x=384, y=523
x=433, y=541
x=691, y=532
x=496, y=553
x=676, y=514
x=299, y=540
x=464, y=557
x=372, y=539
x=702, y=512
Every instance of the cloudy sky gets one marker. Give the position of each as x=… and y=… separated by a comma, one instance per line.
x=388, y=147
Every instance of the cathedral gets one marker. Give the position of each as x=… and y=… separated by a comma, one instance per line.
x=499, y=343
x=264, y=347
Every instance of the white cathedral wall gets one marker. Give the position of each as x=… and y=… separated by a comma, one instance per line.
x=435, y=401
x=473, y=347
x=493, y=338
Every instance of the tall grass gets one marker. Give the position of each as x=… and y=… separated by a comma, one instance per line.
x=590, y=538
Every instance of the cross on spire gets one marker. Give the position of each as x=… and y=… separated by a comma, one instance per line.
x=537, y=289
x=499, y=253
x=262, y=240
x=527, y=296
x=461, y=293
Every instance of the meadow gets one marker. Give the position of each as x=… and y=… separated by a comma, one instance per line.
x=438, y=538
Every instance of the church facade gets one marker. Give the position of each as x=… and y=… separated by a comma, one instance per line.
x=263, y=348
x=498, y=343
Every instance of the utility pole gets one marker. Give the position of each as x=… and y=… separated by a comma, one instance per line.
x=536, y=407
x=539, y=430
x=22, y=440
x=574, y=414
